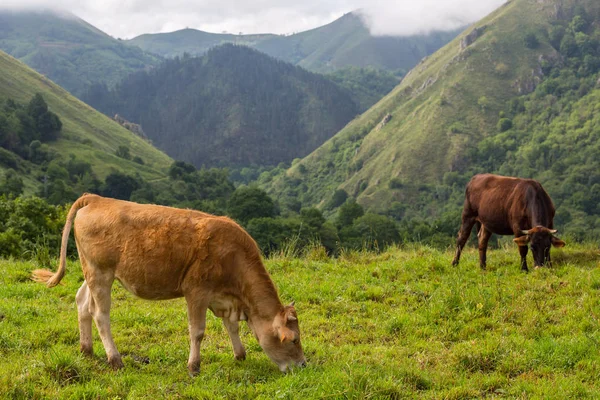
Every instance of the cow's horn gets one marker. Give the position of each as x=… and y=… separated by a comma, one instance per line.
x=524, y=232
x=553, y=231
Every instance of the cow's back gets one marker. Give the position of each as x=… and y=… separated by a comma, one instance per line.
x=149, y=248
x=500, y=202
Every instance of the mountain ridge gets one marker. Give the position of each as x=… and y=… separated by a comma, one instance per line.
x=343, y=42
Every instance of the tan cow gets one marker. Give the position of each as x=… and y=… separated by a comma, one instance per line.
x=161, y=253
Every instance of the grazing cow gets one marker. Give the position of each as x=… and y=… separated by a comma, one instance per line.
x=509, y=206
x=161, y=253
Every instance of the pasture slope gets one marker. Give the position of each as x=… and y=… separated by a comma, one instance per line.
x=86, y=133
x=402, y=324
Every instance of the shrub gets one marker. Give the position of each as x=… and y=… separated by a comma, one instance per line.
x=531, y=40
x=504, y=124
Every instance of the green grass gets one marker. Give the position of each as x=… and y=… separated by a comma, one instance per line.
x=402, y=324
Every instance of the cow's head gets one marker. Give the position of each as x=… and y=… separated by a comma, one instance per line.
x=282, y=341
x=540, y=240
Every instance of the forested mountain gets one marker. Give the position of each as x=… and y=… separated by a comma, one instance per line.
x=342, y=43
x=516, y=94
x=45, y=133
x=67, y=49
x=232, y=107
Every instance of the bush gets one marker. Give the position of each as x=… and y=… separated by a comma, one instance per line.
x=348, y=213
x=123, y=152
x=28, y=222
x=248, y=203
x=531, y=40
x=377, y=231
x=504, y=124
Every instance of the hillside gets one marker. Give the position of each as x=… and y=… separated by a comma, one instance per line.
x=344, y=42
x=232, y=107
x=86, y=134
x=67, y=49
x=514, y=94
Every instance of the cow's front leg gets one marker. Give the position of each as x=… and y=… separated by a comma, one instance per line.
x=233, y=328
x=99, y=308
x=197, y=324
x=523, y=252
x=83, y=299
x=484, y=237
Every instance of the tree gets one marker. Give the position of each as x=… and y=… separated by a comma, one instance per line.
x=568, y=46
x=123, y=152
x=247, y=203
x=377, y=231
x=504, y=124
x=312, y=217
x=119, y=186
x=180, y=169
x=11, y=184
x=531, y=40
x=348, y=212
x=47, y=124
x=337, y=199
x=483, y=103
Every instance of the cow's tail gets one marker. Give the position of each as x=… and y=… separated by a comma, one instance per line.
x=52, y=279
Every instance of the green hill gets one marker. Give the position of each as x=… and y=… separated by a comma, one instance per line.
x=344, y=42
x=515, y=94
x=86, y=133
x=191, y=41
x=67, y=49
x=234, y=106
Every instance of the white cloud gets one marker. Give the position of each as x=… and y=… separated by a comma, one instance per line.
x=423, y=16
x=129, y=18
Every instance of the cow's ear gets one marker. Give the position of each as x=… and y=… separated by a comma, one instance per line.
x=289, y=314
x=285, y=334
x=556, y=242
x=521, y=241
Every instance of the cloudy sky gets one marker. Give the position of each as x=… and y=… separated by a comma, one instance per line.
x=129, y=18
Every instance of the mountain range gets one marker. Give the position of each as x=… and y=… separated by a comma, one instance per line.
x=513, y=94
x=68, y=50
x=344, y=42
x=234, y=106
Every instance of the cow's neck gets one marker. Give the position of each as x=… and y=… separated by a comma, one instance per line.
x=258, y=293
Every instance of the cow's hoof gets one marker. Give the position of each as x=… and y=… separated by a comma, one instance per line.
x=240, y=357
x=87, y=351
x=194, y=369
x=116, y=363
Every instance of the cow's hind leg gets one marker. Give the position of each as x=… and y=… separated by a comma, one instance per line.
x=468, y=220
x=84, y=316
x=197, y=324
x=484, y=237
x=233, y=328
x=99, y=285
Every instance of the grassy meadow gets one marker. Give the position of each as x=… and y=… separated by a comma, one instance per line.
x=401, y=324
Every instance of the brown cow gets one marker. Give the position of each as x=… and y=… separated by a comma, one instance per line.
x=161, y=253
x=509, y=206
